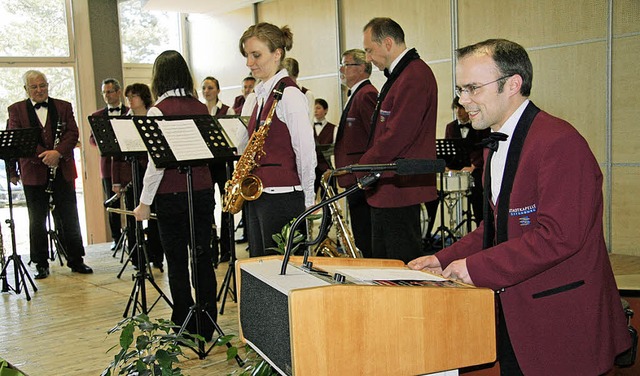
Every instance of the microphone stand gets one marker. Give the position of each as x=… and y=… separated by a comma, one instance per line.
x=362, y=184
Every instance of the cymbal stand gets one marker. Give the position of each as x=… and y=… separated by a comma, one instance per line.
x=445, y=232
x=20, y=272
x=138, y=296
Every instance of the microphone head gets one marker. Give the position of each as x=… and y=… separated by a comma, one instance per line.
x=419, y=166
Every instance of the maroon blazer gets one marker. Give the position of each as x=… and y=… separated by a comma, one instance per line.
x=32, y=170
x=324, y=138
x=557, y=290
x=353, y=130
x=105, y=162
x=405, y=128
x=238, y=103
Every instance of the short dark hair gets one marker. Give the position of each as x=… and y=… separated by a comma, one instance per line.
x=382, y=27
x=141, y=90
x=322, y=103
x=112, y=81
x=510, y=58
x=211, y=78
x=249, y=78
x=170, y=72
x=455, y=104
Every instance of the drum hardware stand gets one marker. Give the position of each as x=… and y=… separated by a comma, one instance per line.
x=230, y=277
x=56, y=247
x=14, y=144
x=446, y=149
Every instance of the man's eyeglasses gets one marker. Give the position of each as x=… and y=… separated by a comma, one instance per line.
x=36, y=87
x=342, y=65
x=471, y=89
x=108, y=92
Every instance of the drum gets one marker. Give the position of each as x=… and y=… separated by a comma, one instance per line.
x=455, y=181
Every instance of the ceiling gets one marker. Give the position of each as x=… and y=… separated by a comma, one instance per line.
x=197, y=6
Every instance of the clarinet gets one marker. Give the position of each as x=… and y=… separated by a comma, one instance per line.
x=52, y=170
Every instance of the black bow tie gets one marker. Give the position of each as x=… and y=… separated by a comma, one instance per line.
x=114, y=109
x=465, y=125
x=493, y=140
x=317, y=123
x=386, y=73
x=41, y=104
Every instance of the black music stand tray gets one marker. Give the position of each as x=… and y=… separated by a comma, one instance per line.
x=109, y=146
x=446, y=149
x=16, y=143
x=219, y=146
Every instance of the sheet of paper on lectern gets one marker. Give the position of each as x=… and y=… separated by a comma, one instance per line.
x=388, y=274
x=127, y=135
x=184, y=139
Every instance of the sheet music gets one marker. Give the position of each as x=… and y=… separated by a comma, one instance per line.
x=389, y=274
x=184, y=139
x=231, y=126
x=127, y=135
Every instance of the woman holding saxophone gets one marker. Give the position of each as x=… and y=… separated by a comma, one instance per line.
x=286, y=168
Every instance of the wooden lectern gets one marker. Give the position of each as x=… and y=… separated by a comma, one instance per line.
x=305, y=324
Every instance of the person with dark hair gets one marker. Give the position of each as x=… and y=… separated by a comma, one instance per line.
x=139, y=97
x=403, y=126
x=248, y=83
x=352, y=138
x=43, y=112
x=220, y=247
x=325, y=134
x=540, y=245
x=173, y=87
x=287, y=168
x=112, y=95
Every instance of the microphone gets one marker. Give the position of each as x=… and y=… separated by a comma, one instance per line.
x=401, y=167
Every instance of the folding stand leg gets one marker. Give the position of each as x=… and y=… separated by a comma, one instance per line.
x=230, y=277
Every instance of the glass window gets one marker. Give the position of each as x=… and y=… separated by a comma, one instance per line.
x=145, y=34
x=33, y=28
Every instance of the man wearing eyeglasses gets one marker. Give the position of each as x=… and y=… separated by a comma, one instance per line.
x=112, y=95
x=352, y=138
x=45, y=113
x=403, y=126
x=541, y=245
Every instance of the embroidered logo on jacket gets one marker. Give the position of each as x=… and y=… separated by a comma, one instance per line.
x=384, y=115
x=522, y=213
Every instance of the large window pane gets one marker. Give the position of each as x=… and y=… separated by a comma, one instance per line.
x=145, y=34
x=33, y=28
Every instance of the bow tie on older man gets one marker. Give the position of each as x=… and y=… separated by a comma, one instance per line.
x=492, y=142
x=41, y=104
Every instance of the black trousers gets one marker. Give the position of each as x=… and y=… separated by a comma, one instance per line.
x=396, y=233
x=173, y=222
x=267, y=216
x=115, y=225
x=506, y=356
x=360, y=213
x=65, y=217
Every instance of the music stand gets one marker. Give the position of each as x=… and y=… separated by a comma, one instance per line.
x=230, y=125
x=16, y=143
x=187, y=142
x=447, y=149
x=131, y=147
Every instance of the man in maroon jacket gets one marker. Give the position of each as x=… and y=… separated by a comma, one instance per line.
x=352, y=139
x=112, y=95
x=403, y=126
x=46, y=113
x=540, y=245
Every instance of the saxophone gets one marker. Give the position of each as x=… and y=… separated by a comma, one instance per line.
x=243, y=184
x=328, y=247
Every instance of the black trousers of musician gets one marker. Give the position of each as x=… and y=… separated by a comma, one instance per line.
x=173, y=222
x=396, y=233
x=267, y=216
x=115, y=224
x=506, y=356
x=360, y=213
x=65, y=217
x=219, y=176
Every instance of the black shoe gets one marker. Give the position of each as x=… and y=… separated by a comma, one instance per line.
x=80, y=267
x=225, y=257
x=114, y=244
x=159, y=265
x=43, y=272
x=241, y=240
